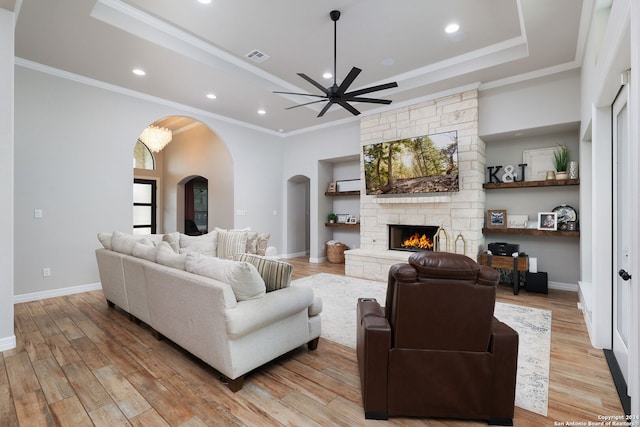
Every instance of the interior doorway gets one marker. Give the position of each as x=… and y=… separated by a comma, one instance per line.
x=196, y=206
x=298, y=216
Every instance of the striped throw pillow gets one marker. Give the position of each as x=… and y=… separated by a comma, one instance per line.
x=276, y=274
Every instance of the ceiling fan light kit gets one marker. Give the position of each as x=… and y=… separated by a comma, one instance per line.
x=338, y=94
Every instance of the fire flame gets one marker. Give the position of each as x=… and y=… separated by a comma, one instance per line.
x=417, y=241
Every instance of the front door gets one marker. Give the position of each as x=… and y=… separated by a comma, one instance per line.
x=622, y=233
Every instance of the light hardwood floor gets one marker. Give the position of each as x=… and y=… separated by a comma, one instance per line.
x=79, y=363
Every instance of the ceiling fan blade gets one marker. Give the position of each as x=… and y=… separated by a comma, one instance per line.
x=371, y=89
x=370, y=100
x=315, y=83
x=348, y=107
x=325, y=108
x=348, y=80
x=306, y=103
x=303, y=94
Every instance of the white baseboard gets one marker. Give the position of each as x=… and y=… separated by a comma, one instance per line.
x=35, y=296
x=318, y=260
x=295, y=255
x=572, y=287
x=7, y=343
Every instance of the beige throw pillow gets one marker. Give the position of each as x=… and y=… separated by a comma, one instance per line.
x=123, y=243
x=205, y=244
x=165, y=255
x=145, y=251
x=243, y=277
x=105, y=239
x=276, y=274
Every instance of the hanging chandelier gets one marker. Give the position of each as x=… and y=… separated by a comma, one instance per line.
x=155, y=138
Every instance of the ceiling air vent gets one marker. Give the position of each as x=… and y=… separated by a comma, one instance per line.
x=257, y=56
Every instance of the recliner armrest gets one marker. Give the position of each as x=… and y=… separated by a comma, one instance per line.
x=373, y=345
x=504, y=346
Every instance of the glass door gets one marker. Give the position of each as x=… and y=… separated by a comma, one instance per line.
x=621, y=234
x=144, y=206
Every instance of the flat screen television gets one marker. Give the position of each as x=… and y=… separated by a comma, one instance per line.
x=422, y=164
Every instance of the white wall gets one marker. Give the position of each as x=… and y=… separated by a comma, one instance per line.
x=198, y=151
x=7, y=337
x=73, y=160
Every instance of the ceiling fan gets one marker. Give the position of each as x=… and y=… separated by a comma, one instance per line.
x=338, y=94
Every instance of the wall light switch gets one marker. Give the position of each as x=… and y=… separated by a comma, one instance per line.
x=37, y=213
x=46, y=272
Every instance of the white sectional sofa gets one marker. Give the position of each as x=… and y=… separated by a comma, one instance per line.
x=235, y=315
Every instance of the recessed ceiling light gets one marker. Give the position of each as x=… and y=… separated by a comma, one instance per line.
x=211, y=96
x=327, y=75
x=204, y=1
x=139, y=72
x=452, y=28
x=262, y=112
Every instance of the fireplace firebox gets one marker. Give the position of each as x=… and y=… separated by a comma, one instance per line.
x=411, y=237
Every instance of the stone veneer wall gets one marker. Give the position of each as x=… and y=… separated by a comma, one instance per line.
x=459, y=213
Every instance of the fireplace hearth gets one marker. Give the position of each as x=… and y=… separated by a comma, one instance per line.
x=411, y=238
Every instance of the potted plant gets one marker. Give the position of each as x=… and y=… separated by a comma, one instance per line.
x=561, y=161
x=332, y=218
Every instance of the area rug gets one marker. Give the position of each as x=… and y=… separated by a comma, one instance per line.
x=339, y=296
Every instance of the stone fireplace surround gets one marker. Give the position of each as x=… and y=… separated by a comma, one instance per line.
x=460, y=214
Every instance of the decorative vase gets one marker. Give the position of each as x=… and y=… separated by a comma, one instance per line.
x=573, y=170
x=562, y=175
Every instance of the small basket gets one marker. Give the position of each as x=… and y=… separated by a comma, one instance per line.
x=335, y=253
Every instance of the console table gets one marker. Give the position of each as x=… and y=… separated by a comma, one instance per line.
x=515, y=264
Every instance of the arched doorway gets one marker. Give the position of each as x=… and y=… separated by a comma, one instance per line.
x=298, y=216
x=194, y=152
x=196, y=206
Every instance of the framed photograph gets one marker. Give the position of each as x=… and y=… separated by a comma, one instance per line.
x=547, y=221
x=496, y=218
x=352, y=220
x=342, y=218
x=518, y=221
x=332, y=187
x=539, y=162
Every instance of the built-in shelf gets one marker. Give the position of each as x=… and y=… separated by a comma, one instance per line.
x=530, y=232
x=342, y=193
x=525, y=184
x=335, y=224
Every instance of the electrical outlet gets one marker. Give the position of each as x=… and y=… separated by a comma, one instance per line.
x=46, y=272
x=37, y=213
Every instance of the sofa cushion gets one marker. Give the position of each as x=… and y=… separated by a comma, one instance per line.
x=276, y=274
x=165, y=255
x=123, y=243
x=243, y=277
x=230, y=243
x=145, y=251
x=173, y=239
x=204, y=244
x=105, y=239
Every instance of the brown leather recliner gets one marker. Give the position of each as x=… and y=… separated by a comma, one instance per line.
x=435, y=349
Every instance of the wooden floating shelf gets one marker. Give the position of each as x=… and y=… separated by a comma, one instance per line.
x=342, y=193
x=531, y=232
x=525, y=184
x=335, y=224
